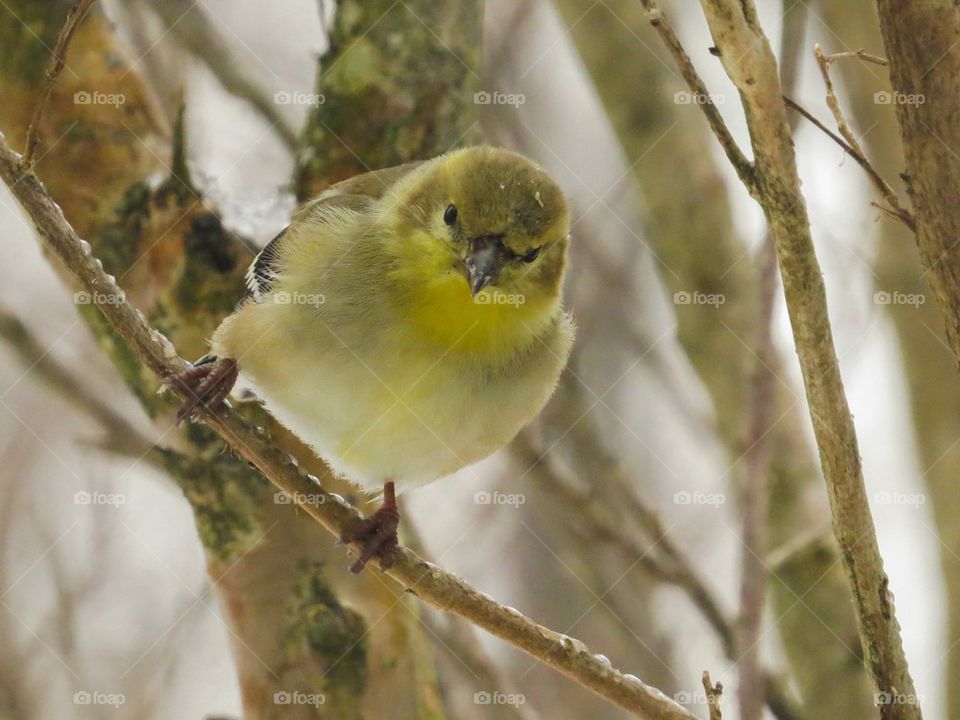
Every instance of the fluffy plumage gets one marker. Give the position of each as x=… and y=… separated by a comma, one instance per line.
x=362, y=332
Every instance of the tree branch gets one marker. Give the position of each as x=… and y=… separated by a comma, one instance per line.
x=920, y=41
x=713, y=696
x=433, y=585
x=76, y=15
x=741, y=164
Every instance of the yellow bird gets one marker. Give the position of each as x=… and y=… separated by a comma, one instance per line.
x=406, y=324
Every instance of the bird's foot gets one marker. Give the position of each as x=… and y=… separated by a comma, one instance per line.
x=376, y=534
x=208, y=383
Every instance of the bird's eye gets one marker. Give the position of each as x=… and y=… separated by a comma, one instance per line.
x=450, y=215
x=531, y=256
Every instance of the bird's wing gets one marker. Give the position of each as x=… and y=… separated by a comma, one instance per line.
x=355, y=193
x=263, y=269
x=368, y=186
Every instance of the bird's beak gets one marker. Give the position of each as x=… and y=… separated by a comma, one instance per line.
x=483, y=262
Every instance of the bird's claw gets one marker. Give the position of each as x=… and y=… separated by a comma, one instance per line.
x=208, y=384
x=377, y=534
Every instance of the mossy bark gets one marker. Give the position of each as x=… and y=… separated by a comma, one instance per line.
x=397, y=85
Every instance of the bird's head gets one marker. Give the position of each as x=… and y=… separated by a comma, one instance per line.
x=483, y=239
x=493, y=216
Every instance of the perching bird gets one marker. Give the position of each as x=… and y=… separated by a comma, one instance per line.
x=407, y=323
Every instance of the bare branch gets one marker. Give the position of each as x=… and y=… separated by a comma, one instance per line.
x=900, y=214
x=713, y=696
x=823, y=61
x=76, y=15
x=433, y=585
x=860, y=54
x=739, y=161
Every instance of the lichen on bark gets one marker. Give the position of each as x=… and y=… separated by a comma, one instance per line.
x=397, y=84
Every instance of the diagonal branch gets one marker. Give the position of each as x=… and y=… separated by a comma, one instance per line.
x=425, y=580
x=739, y=161
x=76, y=15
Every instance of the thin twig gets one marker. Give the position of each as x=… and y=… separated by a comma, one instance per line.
x=823, y=61
x=433, y=585
x=76, y=15
x=860, y=55
x=900, y=214
x=713, y=696
x=741, y=164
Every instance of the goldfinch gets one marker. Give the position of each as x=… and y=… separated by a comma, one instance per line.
x=406, y=324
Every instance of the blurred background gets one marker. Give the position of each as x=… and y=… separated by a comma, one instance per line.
x=617, y=518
